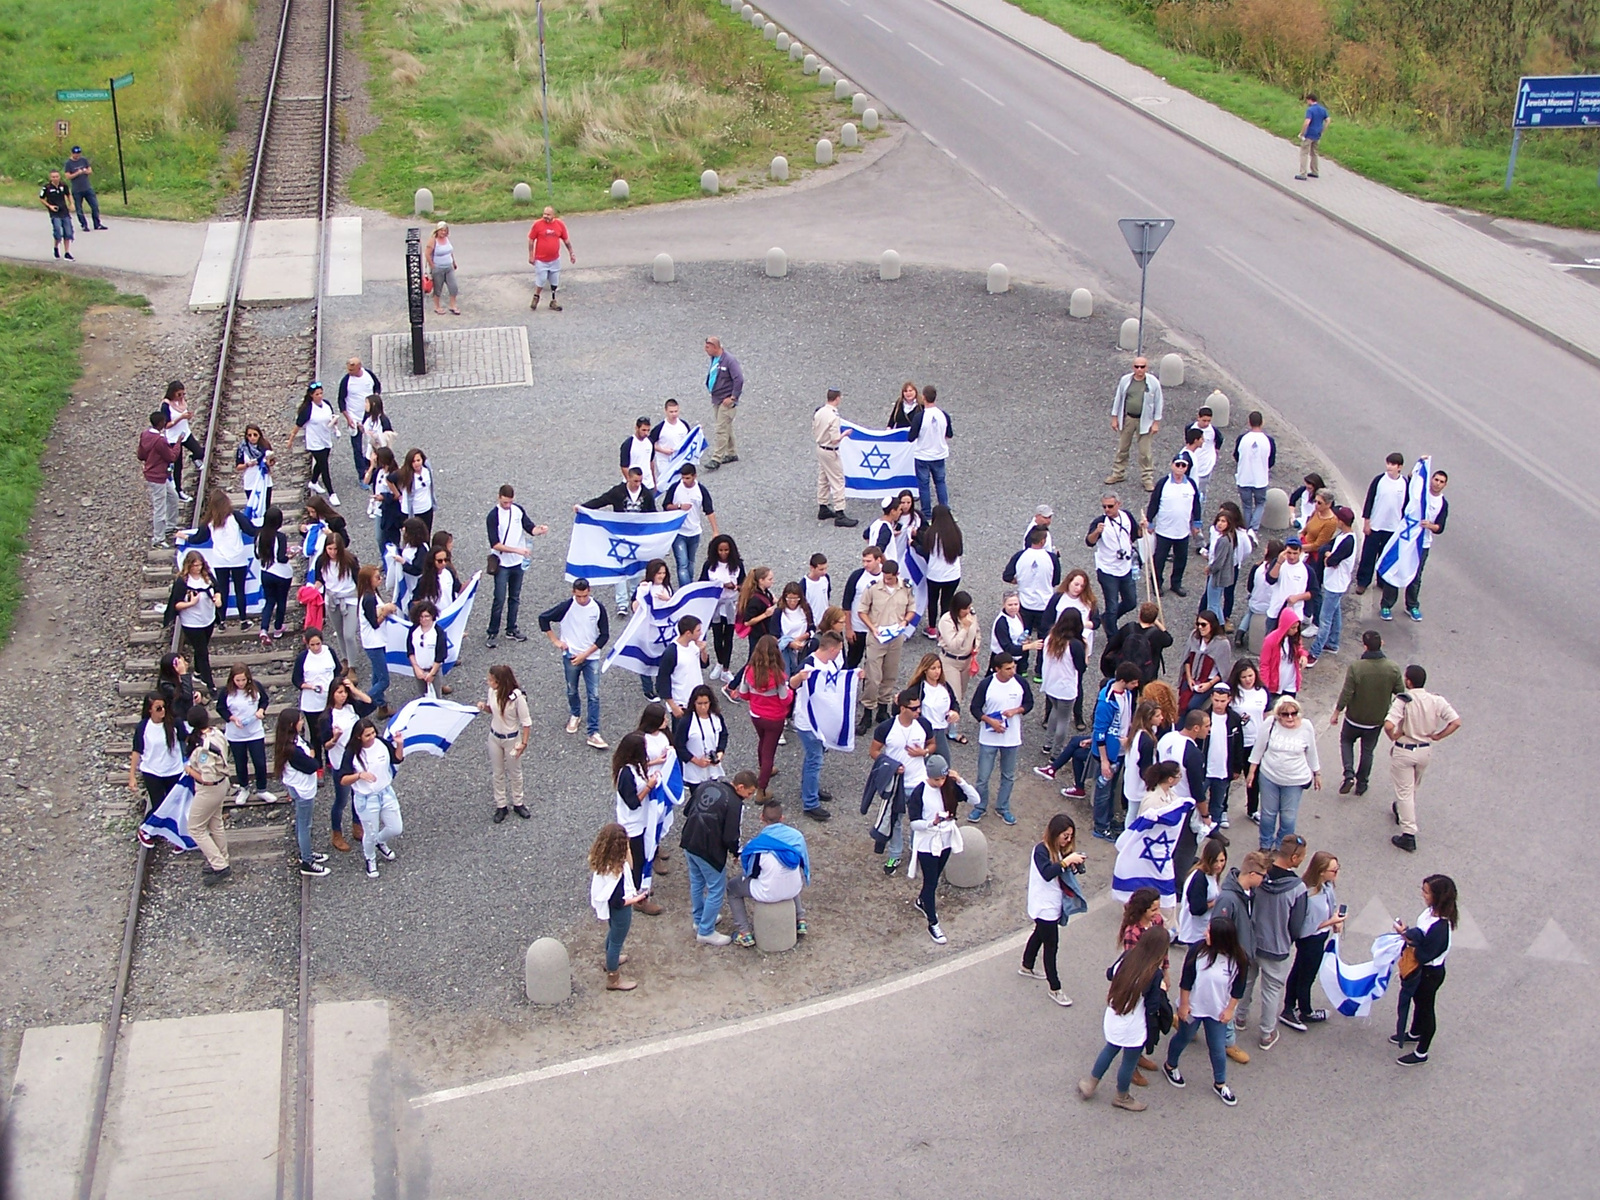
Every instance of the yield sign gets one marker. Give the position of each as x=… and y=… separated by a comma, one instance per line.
x=1144, y=236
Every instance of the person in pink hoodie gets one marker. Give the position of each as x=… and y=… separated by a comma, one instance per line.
x=1283, y=656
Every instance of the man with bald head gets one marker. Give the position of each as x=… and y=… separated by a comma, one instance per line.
x=545, y=240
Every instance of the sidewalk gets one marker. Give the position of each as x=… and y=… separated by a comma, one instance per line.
x=131, y=244
x=1509, y=280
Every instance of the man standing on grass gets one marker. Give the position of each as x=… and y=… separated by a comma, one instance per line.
x=54, y=198
x=78, y=170
x=1310, y=134
x=725, y=383
x=545, y=239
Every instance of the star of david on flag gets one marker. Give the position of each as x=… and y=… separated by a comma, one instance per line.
x=608, y=546
x=638, y=647
x=624, y=551
x=1397, y=565
x=1159, y=849
x=876, y=462
x=1144, y=852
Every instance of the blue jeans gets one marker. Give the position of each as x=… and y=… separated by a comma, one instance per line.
x=274, y=601
x=61, y=227
x=341, y=801
x=706, y=888
x=1079, y=751
x=79, y=199
x=1330, y=624
x=616, y=934
x=1252, y=503
x=378, y=659
x=930, y=479
x=1217, y=797
x=1102, y=795
x=1130, y=1060
x=1008, y=777
x=507, y=599
x=589, y=671
x=792, y=658
x=302, y=824
x=1119, y=595
x=1216, y=1045
x=684, y=549
x=1280, y=803
x=625, y=590
x=810, y=769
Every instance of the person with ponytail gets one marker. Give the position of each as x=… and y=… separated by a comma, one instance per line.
x=1138, y=980
x=1429, y=940
x=1054, y=858
x=294, y=762
x=277, y=575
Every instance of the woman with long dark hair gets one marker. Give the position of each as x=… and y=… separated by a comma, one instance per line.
x=1209, y=990
x=414, y=482
x=1207, y=659
x=1053, y=859
x=1135, y=991
x=388, y=516
x=764, y=685
x=1062, y=659
x=941, y=544
x=242, y=705
x=336, y=571
x=372, y=611
x=333, y=730
x=157, y=759
x=940, y=706
x=756, y=605
x=1076, y=590
x=1250, y=702
x=613, y=894
x=632, y=781
x=295, y=763
x=177, y=683
x=277, y=574
x=906, y=403
x=958, y=645
x=253, y=462
x=700, y=737
x=510, y=726
x=1319, y=919
x=320, y=424
x=724, y=567
x=1430, y=940
x=793, y=626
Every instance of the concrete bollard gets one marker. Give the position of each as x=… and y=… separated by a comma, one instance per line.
x=809, y=65
x=889, y=265
x=547, y=972
x=969, y=868
x=773, y=925
x=1082, y=303
x=1171, y=370
x=709, y=183
x=1128, y=336
x=777, y=263
x=1221, y=408
x=758, y=20
x=848, y=137
x=783, y=42
x=999, y=279
x=858, y=103
x=746, y=12
x=827, y=76
x=1275, y=513
x=869, y=119
x=662, y=271
x=780, y=168
x=522, y=193
x=619, y=189
x=824, y=152
x=770, y=31
x=797, y=52
x=423, y=202
x=843, y=89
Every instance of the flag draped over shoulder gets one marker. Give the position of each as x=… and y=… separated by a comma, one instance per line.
x=1144, y=852
x=431, y=726
x=170, y=820
x=200, y=540
x=607, y=546
x=316, y=534
x=453, y=620
x=662, y=804
x=638, y=648
x=824, y=705
x=914, y=572
x=1354, y=987
x=1397, y=565
x=693, y=447
x=877, y=462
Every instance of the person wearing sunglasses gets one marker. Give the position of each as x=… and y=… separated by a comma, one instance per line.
x=1111, y=535
x=908, y=739
x=1136, y=413
x=1285, y=760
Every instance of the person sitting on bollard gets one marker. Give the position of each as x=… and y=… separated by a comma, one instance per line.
x=777, y=867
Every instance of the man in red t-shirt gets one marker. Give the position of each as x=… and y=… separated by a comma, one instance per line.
x=544, y=252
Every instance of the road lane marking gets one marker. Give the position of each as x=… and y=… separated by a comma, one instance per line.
x=925, y=54
x=981, y=92
x=1051, y=137
x=1139, y=196
x=1568, y=490
x=877, y=22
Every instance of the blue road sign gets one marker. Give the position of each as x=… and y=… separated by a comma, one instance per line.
x=1557, y=102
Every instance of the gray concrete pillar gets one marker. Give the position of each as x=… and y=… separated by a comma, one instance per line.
x=661, y=271
x=847, y=136
x=1221, y=408
x=858, y=103
x=809, y=64
x=999, y=279
x=843, y=89
x=869, y=119
x=547, y=972
x=889, y=265
x=969, y=867
x=746, y=12
x=1275, y=514
x=1082, y=303
x=797, y=52
x=709, y=183
x=770, y=31
x=423, y=201
x=773, y=925
x=522, y=193
x=783, y=42
x=1128, y=337
x=824, y=152
x=619, y=189
x=827, y=76
x=780, y=168
x=758, y=20
x=777, y=263
x=1171, y=370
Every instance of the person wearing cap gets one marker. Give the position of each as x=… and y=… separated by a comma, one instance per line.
x=725, y=385
x=545, y=239
x=1291, y=582
x=1417, y=720
x=77, y=170
x=628, y=496
x=1136, y=412
x=930, y=432
x=827, y=431
x=1042, y=516
x=1172, y=514
x=440, y=258
x=931, y=810
x=1338, y=569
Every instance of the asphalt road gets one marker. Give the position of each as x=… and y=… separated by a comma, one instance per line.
x=961, y=1082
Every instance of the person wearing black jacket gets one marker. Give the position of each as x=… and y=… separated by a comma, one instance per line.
x=711, y=833
x=629, y=496
x=1187, y=747
x=508, y=528
x=1430, y=938
x=639, y=451
x=1173, y=514
x=1223, y=750
x=1141, y=644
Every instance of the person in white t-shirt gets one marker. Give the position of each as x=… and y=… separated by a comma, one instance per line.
x=667, y=438
x=930, y=432
x=688, y=495
x=320, y=424
x=1382, y=514
x=999, y=703
x=639, y=451
x=508, y=529
x=1338, y=568
x=1254, y=455
x=1205, y=454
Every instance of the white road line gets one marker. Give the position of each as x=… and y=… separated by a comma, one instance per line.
x=1140, y=197
x=1569, y=490
x=877, y=22
x=925, y=54
x=951, y=153
x=932, y=141
x=1051, y=137
x=981, y=92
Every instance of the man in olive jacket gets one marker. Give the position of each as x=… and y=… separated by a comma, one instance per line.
x=1369, y=684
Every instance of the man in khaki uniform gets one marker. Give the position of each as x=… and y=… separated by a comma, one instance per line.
x=208, y=767
x=887, y=602
x=827, y=433
x=1417, y=719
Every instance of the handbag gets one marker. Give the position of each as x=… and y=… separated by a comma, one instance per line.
x=1409, y=965
x=427, y=285
x=492, y=567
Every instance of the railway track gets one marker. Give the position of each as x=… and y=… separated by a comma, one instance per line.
x=265, y=358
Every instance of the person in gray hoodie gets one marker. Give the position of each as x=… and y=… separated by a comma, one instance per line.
x=1273, y=916
x=1236, y=901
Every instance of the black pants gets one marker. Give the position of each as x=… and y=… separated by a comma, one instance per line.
x=1349, y=735
x=319, y=468
x=246, y=755
x=1421, y=990
x=1186, y=852
x=1178, y=548
x=1046, y=936
x=722, y=643
x=1307, y=961
x=199, y=641
x=939, y=597
x=636, y=844
x=157, y=787
x=274, y=600
x=856, y=650
x=1371, y=549
x=1252, y=795
x=1077, y=703
x=231, y=580
x=931, y=866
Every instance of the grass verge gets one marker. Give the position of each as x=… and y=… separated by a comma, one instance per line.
x=182, y=104
x=651, y=91
x=1469, y=173
x=41, y=315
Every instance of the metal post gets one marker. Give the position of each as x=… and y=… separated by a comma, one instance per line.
x=1516, y=142
x=544, y=90
x=117, y=125
x=1144, y=269
x=419, y=356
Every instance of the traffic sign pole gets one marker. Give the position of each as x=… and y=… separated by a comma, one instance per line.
x=1144, y=236
x=1144, y=271
x=117, y=125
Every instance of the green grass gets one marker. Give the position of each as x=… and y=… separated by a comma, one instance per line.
x=40, y=331
x=173, y=118
x=651, y=91
x=1469, y=173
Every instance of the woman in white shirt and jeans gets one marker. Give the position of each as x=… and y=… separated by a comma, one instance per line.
x=1209, y=989
x=1284, y=761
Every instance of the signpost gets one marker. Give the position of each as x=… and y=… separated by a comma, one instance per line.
x=63, y=130
x=544, y=89
x=95, y=95
x=419, y=357
x=1144, y=236
x=1553, y=102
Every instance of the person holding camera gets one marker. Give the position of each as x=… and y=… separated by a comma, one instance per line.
x=1051, y=874
x=1111, y=534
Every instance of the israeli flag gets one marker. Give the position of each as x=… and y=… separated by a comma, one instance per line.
x=638, y=648
x=170, y=820
x=824, y=704
x=607, y=546
x=1397, y=565
x=877, y=462
x=1144, y=852
x=453, y=620
x=316, y=534
x=200, y=539
x=431, y=726
x=255, y=499
x=664, y=800
x=693, y=447
x=1353, y=987
x=914, y=572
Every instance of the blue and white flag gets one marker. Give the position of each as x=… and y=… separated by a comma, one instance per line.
x=664, y=800
x=255, y=498
x=825, y=704
x=431, y=726
x=914, y=573
x=200, y=539
x=453, y=620
x=877, y=462
x=607, y=546
x=1397, y=565
x=693, y=447
x=316, y=533
x=1354, y=987
x=1144, y=852
x=170, y=820
x=650, y=630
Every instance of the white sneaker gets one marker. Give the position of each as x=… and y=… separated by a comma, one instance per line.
x=1036, y=973
x=598, y=742
x=333, y=499
x=242, y=795
x=937, y=934
x=316, y=487
x=1061, y=998
x=714, y=938
x=266, y=797
x=782, y=740
x=572, y=724
x=372, y=868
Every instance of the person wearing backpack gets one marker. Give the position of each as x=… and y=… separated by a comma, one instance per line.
x=1140, y=644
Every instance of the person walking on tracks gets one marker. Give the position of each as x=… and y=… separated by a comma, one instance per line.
x=545, y=239
x=208, y=767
